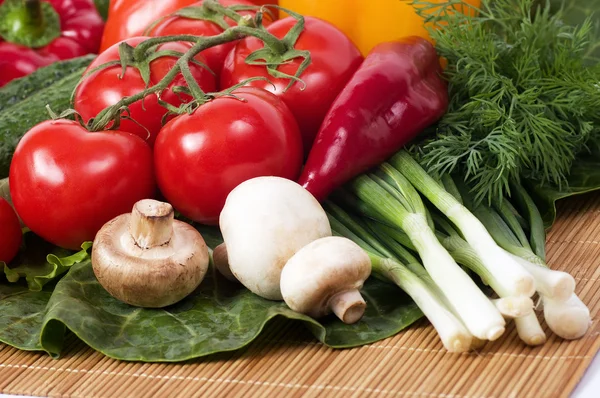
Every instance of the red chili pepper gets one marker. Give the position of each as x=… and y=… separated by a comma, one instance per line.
x=394, y=95
x=36, y=33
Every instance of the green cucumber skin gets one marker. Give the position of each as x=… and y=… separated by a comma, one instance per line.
x=18, y=90
x=23, y=102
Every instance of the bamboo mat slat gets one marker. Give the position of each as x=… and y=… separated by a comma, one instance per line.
x=286, y=361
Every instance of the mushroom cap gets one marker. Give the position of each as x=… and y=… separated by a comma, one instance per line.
x=155, y=277
x=320, y=270
x=264, y=222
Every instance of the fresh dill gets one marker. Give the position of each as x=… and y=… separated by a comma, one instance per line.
x=524, y=100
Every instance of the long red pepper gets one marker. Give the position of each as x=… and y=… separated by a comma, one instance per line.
x=395, y=94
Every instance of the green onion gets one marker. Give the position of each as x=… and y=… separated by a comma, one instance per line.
x=570, y=319
x=529, y=329
x=514, y=307
x=401, y=206
x=564, y=312
x=453, y=334
x=510, y=277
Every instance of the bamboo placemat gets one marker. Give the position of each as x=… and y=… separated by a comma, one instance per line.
x=286, y=361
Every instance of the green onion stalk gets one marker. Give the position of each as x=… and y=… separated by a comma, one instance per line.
x=510, y=307
x=511, y=279
x=527, y=324
x=386, y=195
x=412, y=278
x=564, y=312
x=503, y=271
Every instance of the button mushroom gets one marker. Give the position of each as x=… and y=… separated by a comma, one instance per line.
x=264, y=222
x=146, y=258
x=221, y=263
x=326, y=275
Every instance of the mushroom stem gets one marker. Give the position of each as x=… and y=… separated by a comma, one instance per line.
x=348, y=305
x=151, y=223
x=221, y=262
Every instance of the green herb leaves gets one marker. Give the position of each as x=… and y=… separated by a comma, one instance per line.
x=523, y=104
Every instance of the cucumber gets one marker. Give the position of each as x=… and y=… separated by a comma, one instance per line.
x=23, y=102
x=19, y=89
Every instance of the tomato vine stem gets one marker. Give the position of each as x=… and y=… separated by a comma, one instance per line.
x=246, y=27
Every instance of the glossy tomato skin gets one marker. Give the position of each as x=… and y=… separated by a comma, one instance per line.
x=215, y=56
x=10, y=232
x=200, y=158
x=334, y=60
x=105, y=87
x=130, y=18
x=66, y=182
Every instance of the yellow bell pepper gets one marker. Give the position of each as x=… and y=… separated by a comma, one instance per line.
x=368, y=22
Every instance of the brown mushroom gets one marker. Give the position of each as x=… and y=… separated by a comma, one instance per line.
x=146, y=258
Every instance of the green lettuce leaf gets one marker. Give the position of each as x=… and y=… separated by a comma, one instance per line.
x=40, y=262
x=584, y=178
x=220, y=316
x=22, y=314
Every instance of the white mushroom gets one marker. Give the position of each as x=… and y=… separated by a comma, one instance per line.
x=221, y=262
x=326, y=275
x=147, y=258
x=264, y=222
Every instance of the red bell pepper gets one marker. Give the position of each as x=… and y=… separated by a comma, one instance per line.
x=394, y=95
x=36, y=33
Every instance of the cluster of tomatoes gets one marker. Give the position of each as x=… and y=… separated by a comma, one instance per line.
x=66, y=182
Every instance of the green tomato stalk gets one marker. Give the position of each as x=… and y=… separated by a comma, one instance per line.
x=274, y=53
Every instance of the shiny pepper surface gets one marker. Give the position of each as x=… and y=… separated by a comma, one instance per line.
x=394, y=95
x=369, y=22
x=36, y=33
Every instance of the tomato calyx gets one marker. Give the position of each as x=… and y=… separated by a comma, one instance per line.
x=275, y=53
x=123, y=113
x=216, y=13
x=191, y=106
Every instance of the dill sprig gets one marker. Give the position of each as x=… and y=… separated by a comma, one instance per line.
x=523, y=105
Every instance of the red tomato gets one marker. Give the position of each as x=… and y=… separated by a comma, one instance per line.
x=10, y=232
x=215, y=56
x=105, y=88
x=66, y=182
x=334, y=60
x=200, y=158
x=129, y=18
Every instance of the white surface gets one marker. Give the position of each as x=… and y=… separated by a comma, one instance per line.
x=589, y=387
